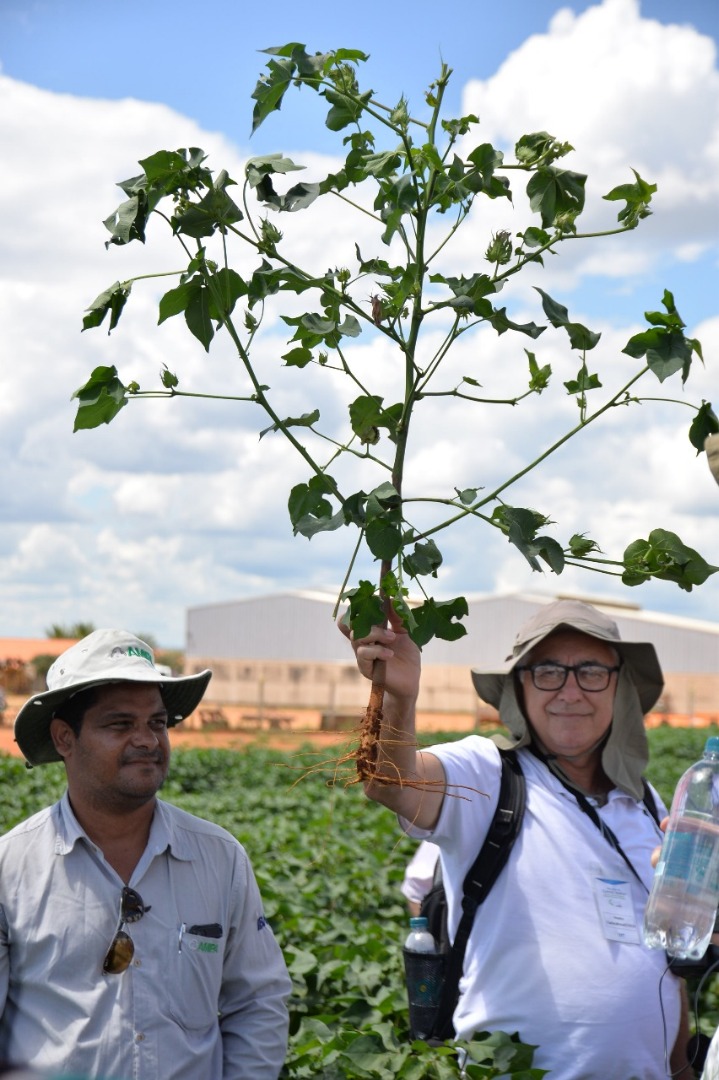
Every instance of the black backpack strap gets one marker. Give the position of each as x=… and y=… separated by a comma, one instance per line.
x=480, y=878
x=649, y=801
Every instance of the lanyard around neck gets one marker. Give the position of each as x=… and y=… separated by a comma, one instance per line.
x=591, y=812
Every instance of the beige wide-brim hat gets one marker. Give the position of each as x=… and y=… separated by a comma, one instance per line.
x=639, y=687
x=105, y=656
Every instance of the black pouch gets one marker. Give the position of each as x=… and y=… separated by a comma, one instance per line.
x=424, y=976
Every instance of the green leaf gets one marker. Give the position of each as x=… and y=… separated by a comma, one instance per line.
x=584, y=381
x=257, y=169
x=533, y=237
x=226, y=287
x=197, y=314
x=365, y=609
x=100, y=399
x=485, y=160
x=112, y=300
x=312, y=329
x=666, y=348
x=383, y=164
x=306, y=420
x=298, y=197
x=310, y=511
x=426, y=558
x=171, y=171
x=666, y=351
x=520, y=526
x=367, y=416
x=498, y=319
x=549, y=550
x=299, y=357
x=395, y=199
x=295, y=64
x=168, y=379
x=665, y=557
x=129, y=221
x=556, y=194
x=539, y=147
x=365, y=413
x=345, y=109
x=637, y=197
x=469, y=293
x=705, y=423
x=271, y=89
x=435, y=618
x=384, y=538
x=579, y=336
x=176, y=300
x=383, y=499
x=216, y=211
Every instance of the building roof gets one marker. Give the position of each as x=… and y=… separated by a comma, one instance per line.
x=297, y=626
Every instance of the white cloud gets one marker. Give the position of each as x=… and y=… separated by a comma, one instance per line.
x=624, y=91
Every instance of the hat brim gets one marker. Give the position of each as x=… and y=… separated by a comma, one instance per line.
x=639, y=656
x=181, y=696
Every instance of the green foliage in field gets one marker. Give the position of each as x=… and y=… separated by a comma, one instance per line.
x=329, y=864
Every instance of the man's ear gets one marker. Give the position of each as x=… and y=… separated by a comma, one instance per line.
x=62, y=736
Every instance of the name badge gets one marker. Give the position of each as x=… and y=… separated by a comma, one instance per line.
x=616, y=910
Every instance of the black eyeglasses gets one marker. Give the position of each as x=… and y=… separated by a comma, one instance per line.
x=120, y=954
x=591, y=677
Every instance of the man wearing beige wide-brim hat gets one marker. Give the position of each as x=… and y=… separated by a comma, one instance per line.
x=555, y=951
x=132, y=937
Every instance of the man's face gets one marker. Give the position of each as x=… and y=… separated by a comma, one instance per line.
x=570, y=721
x=121, y=756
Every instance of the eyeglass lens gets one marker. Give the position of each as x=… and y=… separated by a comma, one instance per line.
x=590, y=677
x=119, y=955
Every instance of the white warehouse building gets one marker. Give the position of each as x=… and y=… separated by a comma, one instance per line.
x=284, y=652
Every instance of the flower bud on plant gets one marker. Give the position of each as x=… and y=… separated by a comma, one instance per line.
x=500, y=250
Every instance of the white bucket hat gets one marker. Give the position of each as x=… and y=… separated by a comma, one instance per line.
x=626, y=751
x=105, y=656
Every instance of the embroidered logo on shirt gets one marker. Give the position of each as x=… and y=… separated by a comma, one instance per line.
x=262, y=921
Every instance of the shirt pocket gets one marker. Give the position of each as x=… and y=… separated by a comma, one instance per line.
x=194, y=979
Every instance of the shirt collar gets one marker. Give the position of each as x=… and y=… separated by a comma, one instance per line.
x=163, y=834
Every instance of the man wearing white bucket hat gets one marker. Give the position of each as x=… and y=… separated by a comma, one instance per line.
x=555, y=951
x=132, y=937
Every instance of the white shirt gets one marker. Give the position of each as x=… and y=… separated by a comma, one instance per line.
x=537, y=960
x=199, y=1001
x=419, y=872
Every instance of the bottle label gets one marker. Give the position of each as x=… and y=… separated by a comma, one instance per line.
x=689, y=854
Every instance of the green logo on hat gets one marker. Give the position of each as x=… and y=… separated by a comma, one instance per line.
x=134, y=651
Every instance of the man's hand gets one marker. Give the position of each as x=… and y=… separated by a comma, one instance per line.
x=407, y=781
x=393, y=645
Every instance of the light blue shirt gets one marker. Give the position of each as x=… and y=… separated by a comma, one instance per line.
x=192, y=1005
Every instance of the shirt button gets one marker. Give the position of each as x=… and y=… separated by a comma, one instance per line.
x=136, y=963
x=139, y=1038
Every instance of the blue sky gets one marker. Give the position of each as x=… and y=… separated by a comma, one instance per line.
x=205, y=64
x=98, y=526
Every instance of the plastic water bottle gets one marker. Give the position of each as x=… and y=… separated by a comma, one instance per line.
x=424, y=972
x=682, y=905
x=419, y=938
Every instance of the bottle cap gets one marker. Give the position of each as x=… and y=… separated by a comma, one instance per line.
x=712, y=745
x=419, y=922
